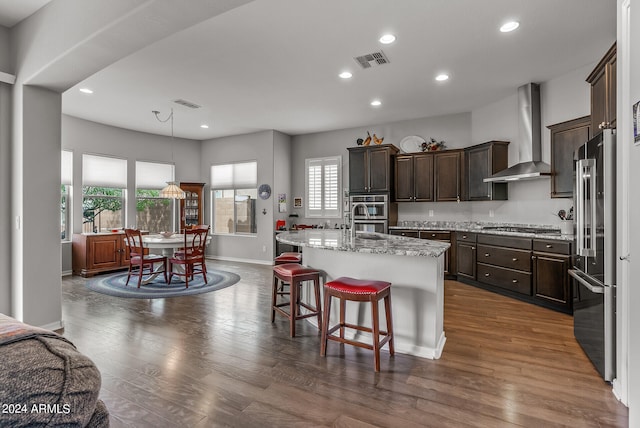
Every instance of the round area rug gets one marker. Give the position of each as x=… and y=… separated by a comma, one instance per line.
x=115, y=285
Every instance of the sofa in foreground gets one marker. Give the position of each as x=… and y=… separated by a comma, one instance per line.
x=46, y=381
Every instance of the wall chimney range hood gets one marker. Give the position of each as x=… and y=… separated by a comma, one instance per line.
x=530, y=166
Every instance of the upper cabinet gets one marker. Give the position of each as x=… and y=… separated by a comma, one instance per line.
x=447, y=167
x=566, y=137
x=603, y=93
x=483, y=161
x=192, y=206
x=414, y=177
x=371, y=168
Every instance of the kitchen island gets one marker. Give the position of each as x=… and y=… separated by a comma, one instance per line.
x=414, y=267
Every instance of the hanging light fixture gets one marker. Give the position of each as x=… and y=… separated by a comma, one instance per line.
x=172, y=191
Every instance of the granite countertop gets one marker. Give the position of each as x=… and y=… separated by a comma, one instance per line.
x=542, y=231
x=373, y=243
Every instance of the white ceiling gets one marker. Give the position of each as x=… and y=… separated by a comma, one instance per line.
x=273, y=64
x=14, y=11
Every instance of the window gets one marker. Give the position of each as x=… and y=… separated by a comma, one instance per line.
x=233, y=196
x=323, y=182
x=104, y=183
x=153, y=212
x=66, y=175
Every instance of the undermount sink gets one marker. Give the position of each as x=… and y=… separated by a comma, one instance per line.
x=371, y=236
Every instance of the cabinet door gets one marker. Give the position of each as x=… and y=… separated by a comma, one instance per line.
x=478, y=168
x=357, y=171
x=447, y=176
x=443, y=237
x=611, y=93
x=423, y=177
x=550, y=279
x=192, y=206
x=378, y=170
x=566, y=137
x=599, y=102
x=466, y=260
x=104, y=252
x=404, y=179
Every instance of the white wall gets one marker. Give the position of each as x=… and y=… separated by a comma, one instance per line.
x=5, y=202
x=281, y=174
x=258, y=147
x=6, y=65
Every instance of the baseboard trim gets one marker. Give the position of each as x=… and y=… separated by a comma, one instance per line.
x=67, y=272
x=242, y=260
x=56, y=325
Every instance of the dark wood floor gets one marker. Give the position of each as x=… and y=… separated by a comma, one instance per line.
x=215, y=360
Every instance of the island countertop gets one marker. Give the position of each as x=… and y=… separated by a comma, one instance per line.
x=365, y=242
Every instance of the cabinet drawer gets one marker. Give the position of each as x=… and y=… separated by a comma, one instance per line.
x=505, y=241
x=505, y=257
x=435, y=235
x=552, y=246
x=466, y=236
x=508, y=279
x=407, y=233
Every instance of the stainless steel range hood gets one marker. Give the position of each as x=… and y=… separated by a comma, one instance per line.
x=530, y=165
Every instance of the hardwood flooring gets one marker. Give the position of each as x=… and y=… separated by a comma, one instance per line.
x=215, y=360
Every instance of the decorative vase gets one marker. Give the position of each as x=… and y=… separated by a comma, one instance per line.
x=566, y=227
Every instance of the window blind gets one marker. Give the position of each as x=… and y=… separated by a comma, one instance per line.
x=103, y=171
x=323, y=187
x=242, y=175
x=66, y=167
x=153, y=175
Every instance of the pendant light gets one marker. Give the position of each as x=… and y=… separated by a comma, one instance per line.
x=172, y=191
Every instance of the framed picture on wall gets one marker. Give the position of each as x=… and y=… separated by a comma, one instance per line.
x=297, y=202
x=636, y=126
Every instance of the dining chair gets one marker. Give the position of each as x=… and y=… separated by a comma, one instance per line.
x=139, y=261
x=192, y=258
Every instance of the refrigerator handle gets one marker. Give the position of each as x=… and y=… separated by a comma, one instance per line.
x=586, y=173
x=579, y=207
x=593, y=288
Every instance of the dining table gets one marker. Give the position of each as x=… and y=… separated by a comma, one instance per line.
x=167, y=245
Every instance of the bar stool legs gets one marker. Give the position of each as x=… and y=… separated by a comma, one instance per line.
x=295, y=274
x=349, y=289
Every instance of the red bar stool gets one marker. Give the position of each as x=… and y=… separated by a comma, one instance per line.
x=288, y=258
x=295, y=274
x=357, y=290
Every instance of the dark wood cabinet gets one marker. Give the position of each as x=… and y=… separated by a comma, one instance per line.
x=281, y=247
x=566, y=137
x=98, y=253
x=466, y=255
x=482, y=161
x=414, y=178
x=551, y=282
x=371, y=168
x=603, y=92
x=505, y=262
x=405, y=232
x=192, y=206
x=440, y=235
x=447, y=167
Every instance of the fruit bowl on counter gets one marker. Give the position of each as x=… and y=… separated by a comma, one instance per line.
x=166, y=234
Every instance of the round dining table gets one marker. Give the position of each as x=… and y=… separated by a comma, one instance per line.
x=168, y=245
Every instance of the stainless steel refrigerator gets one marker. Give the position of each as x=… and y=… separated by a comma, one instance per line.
x=594, y=270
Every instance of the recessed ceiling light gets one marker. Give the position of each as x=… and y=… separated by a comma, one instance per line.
x=205, y=126
x=86, y=91
x=509, y=26
x=387, y=38
x=345, y=75
x=376, y=103
x=442, y=77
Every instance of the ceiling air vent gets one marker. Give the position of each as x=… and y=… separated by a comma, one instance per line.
x=186, y=103
x=369, y=60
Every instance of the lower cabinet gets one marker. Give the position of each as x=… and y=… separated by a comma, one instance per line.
x=551, y=282
x=444, y=236
x=505, y=262
x=98, y=252
x=466, y=255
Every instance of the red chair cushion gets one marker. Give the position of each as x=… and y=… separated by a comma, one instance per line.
x=289, y=257
x=357, y=286
x=293, y=269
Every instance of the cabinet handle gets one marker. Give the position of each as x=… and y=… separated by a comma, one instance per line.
x=473, y=248
x=514, y=259
x=433, y=234
x=515, y=281
x=533, y=257
x=464, y=236
x=458, y=198
x=486, y=274
x=486, y=254
x=549, y=246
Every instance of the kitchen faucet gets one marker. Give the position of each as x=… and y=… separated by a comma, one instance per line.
x=353, y=215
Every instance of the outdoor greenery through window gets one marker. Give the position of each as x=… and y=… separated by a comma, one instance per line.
x=66, y=176
x=234, y=193
x=153, y=212
x=323, y=181
x=102, y=209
